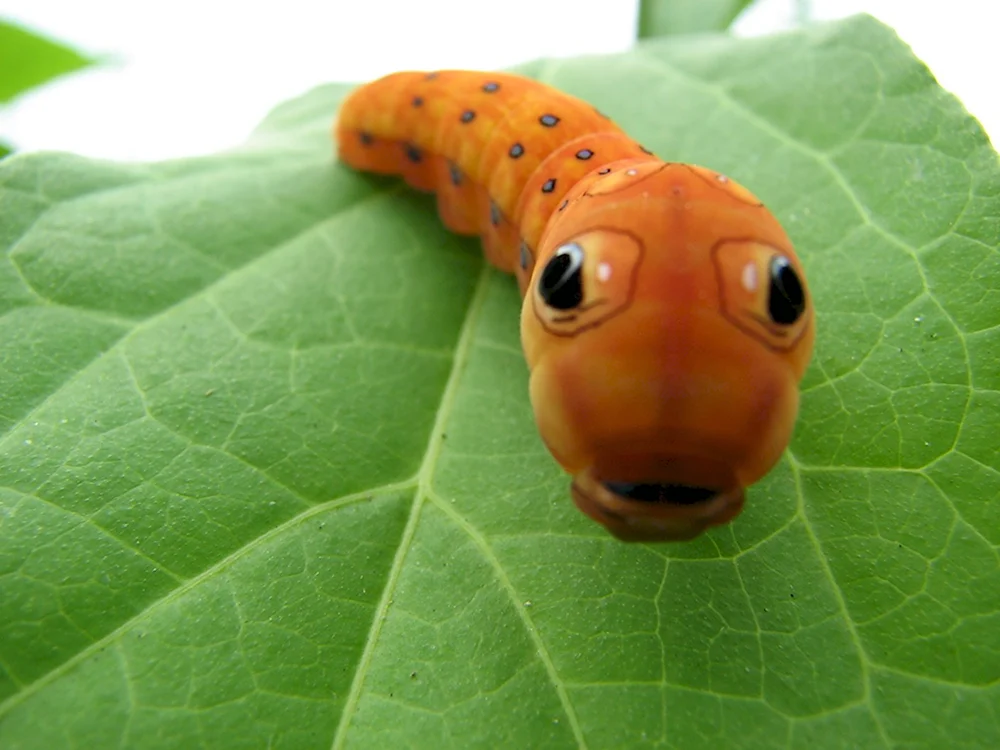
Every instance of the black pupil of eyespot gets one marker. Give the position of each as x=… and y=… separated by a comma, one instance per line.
x=786, y=299
x=561, y=285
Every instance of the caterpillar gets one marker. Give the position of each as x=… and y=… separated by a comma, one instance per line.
x=666, y=320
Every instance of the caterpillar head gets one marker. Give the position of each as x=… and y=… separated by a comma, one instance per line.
x=667, y=324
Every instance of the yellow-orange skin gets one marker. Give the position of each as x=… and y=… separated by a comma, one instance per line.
x=670, y=370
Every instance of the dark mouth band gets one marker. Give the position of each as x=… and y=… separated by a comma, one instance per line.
x=671, y=494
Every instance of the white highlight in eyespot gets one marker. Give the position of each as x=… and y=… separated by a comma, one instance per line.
x=631, y=172
x=722, y=178
x=603, y=271
x=749, y=277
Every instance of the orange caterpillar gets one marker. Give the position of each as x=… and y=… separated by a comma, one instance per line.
x=666, y=320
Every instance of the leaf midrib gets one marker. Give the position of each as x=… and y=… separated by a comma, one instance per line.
x=425, y=493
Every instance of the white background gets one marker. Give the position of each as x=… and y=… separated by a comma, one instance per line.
x=194, y=76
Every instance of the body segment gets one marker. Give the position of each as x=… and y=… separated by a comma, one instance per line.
x=499, y=150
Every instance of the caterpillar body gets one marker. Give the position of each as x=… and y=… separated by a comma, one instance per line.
x=666, y=320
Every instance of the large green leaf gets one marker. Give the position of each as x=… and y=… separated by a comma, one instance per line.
x=28, y=60
x=270, y=476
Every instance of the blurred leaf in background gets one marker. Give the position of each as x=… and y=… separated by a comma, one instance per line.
x=671, y=18
x=28, y=60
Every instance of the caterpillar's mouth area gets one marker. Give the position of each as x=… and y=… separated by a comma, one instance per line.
x=655, y=511
x=655, y=492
